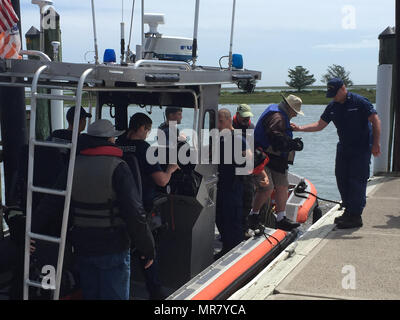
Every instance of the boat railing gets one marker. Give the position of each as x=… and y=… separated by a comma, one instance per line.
x=162, y=63
x=35, y=53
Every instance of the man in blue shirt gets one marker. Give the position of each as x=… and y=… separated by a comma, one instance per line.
x=358, y=128
x=273, y=134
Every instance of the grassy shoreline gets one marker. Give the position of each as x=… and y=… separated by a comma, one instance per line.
x=313, y=97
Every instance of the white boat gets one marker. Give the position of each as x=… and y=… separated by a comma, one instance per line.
x=186, y=244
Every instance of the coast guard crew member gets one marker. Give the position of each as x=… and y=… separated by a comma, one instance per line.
x=151, y=176
x=65, y=135
x=229, y=215
x=358, y=127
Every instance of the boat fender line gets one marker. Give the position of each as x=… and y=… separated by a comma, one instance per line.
x=301, y=188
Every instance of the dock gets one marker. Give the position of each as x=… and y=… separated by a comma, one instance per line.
x=327, y=263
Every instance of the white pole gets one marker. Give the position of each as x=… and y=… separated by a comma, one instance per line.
x=232, y=30
x=195, y=32
x=142, y=49
x=96, y=50
x=383, y=101
x=56, y=106
x=196, y=19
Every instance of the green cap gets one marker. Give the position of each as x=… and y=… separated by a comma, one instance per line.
x=244, y=110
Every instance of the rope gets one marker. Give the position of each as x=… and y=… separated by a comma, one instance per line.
x=301, y=188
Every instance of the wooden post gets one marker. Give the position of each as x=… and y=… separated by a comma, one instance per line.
x=396, y=95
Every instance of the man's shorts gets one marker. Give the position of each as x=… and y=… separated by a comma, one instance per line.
x=276, y=179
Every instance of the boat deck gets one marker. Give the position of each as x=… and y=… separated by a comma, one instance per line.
x=328, y=263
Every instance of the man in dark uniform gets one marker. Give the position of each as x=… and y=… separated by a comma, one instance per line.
x=358, y=128
x=49, y=162
x=66, y=134
x=229, y=215
x=134, y=143
x=151, y=175
x=242, y=121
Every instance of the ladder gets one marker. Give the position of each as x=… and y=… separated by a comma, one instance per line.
x=29, y=235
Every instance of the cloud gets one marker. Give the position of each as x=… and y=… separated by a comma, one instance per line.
x=363, y=44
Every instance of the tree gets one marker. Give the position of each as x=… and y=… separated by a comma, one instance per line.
x=336, y=71
x=300, y=78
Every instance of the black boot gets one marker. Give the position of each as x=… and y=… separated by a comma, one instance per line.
x=287, y=224
x=342, y=217
x=350, y=222
x=253, y=221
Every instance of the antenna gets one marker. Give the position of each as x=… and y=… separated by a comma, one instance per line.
x=142, y=48
x=122, y=35
x=232, y=28
x=96, y=50
x=195, y=31
x=128, y=52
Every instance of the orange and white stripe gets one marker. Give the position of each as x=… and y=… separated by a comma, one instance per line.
x=9, y=45
x=10, y=42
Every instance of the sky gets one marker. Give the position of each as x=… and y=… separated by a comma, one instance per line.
x=272, y=36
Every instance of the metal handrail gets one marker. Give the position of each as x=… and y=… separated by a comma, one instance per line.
x=70, y=176
x=66, y=193
x=162, y=63
x=36, y=53
x=30, y=180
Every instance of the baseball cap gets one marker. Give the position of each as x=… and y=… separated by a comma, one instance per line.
x=103, y=128
x=333, y=87
x=244, y=110
x=71, y=112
